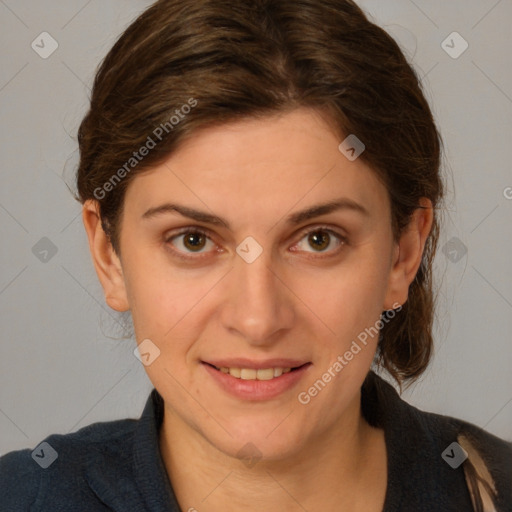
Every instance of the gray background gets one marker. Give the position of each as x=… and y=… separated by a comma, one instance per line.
x=62, y=364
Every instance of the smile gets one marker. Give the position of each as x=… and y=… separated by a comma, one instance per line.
x=256, y=383
x=252, y=374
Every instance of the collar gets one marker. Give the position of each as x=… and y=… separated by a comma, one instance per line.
x=112, y=478
x=136, y=478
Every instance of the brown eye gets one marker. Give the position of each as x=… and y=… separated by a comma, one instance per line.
x=189, y=242
x=194, y=241
x=320, y=239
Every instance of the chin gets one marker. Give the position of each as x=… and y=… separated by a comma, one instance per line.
x=268, y=440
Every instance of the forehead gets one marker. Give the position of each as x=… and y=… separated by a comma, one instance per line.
x=259, y=169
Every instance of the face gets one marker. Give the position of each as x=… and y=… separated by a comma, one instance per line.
x=230, y=259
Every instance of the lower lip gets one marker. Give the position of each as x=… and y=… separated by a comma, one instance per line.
x=256, y=389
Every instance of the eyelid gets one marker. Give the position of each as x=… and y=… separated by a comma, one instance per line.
x=305, y=231
x=320, y=227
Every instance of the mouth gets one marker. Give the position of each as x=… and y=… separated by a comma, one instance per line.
x=266, y=380
x=270, y=373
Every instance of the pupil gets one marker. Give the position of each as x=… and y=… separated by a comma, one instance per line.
x=190, y=243
x=315, y=238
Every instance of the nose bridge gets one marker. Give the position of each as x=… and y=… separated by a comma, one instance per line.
x=259, y=305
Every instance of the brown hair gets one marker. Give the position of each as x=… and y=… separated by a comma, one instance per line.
x=233, y=60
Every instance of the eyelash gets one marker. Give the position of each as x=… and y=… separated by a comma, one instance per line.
x=196, y=230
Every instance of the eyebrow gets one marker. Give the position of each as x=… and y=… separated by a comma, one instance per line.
x=293, y=219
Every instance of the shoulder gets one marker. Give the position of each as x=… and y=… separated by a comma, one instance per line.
x=448, y=460
x=383, y=404
x=59, y=462
x=19, y=482
x=496, y=451
x=485, y=458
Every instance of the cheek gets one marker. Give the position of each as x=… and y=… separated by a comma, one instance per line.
x=153, y=294
x=349, y=297
x=349, y=301
x=166, y=301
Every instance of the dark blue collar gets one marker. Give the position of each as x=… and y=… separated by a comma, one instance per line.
x=137, y=481
x=131, y=476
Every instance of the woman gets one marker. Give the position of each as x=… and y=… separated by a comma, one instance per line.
x=260, y=186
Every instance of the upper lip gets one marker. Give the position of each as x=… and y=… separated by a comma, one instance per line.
x=242, y=362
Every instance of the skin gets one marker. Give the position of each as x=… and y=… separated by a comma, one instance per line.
x=295, y=300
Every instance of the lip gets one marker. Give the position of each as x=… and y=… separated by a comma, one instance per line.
x=256, y=390
x=241, y=362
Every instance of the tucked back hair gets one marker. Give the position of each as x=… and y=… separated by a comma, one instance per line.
x=254, y=58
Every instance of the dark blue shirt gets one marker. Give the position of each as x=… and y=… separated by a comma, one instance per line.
x=117, y=466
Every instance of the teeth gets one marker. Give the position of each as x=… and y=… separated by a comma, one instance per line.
x=235, y=372
x=252, y=374
x=247, y=374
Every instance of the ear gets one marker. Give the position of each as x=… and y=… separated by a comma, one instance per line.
x=408, y=254
x=106, y=261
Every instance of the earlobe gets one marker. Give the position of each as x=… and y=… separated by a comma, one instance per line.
x=408, y=254
x=106, y=261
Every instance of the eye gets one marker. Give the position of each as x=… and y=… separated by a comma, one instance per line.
x=320, y=239
x=191, y=241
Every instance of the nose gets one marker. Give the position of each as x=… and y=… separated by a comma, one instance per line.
x=259, y=305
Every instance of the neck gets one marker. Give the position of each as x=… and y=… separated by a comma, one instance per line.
x=339, y=465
